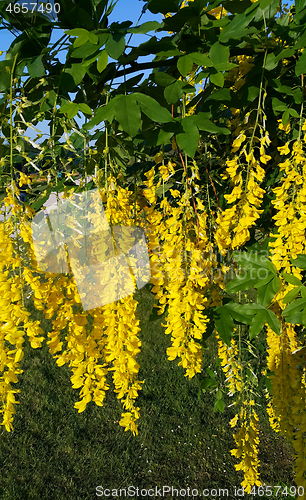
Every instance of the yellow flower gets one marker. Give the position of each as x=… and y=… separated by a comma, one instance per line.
x=284, y=150
x=286, y=128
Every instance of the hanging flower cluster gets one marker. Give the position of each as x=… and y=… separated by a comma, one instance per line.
x=231, y=367
x=106, y=338
x=286, y=362
x=289, y=203
x=11, y=332
x=233, y=223
x=247, y=438
x=179, y=283
x=247, y=442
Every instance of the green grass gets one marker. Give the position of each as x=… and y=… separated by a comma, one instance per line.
x=54, y=453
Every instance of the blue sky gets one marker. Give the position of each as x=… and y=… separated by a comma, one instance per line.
x=125, y=10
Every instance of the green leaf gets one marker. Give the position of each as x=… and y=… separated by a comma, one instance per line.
x=188, y=141
x=241, y=282
x=299, y=262
x=81, y=40
x=201, y=59
x=70, y=109
x=174, y=92
x=184, y=65
x=236, y=28
x=293, y=280
x=89, y=49
x=292, y=312
x=88, y=61
x=104, y=113
x=278, y=105
x=85, y=108
x=300, y=5
x=300, y=66
x=92, y=38
x=271, y=63
x=145, y=27
x=77, y=72
x=285, y=53
x=243, y=313
x=257, y=323
x=273, y=321
x=295, y=317
x=163, y=79
x=115, y=45
x=153, y=109
x=157, y=6
x=219, y=394
x=77, y=32
x=217, y=79
x=293, y=113
x=127, y=113
x=290, y=296
x=203, y=75
x=265, y=294
x=263, y=281
x=224, y=324
x=219, y=406
x=285, y=117
x=276, y=284
x=208, y=382
x=264, y=3
x=211, y=373
x=304, y=316
x=225, y=66
x=283, y=89
x=283, y=21
x=163, y=137
x=219, y=53
x=301, y=42
x=203, y=123
x=5, y=80
x=102, y=61
x=268, y=12
x=221, y=95
x=36, y=67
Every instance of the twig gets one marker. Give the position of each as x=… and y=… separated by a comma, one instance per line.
x=211, y=181
x=194, y=204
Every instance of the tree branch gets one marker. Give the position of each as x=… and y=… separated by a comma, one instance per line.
x=236, y=51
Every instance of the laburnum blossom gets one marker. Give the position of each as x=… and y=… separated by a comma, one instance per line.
x=179, y=284
x=286, y=360
x=245, y=174
x=13, y=316
x=290, y=219
x=247, y=442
